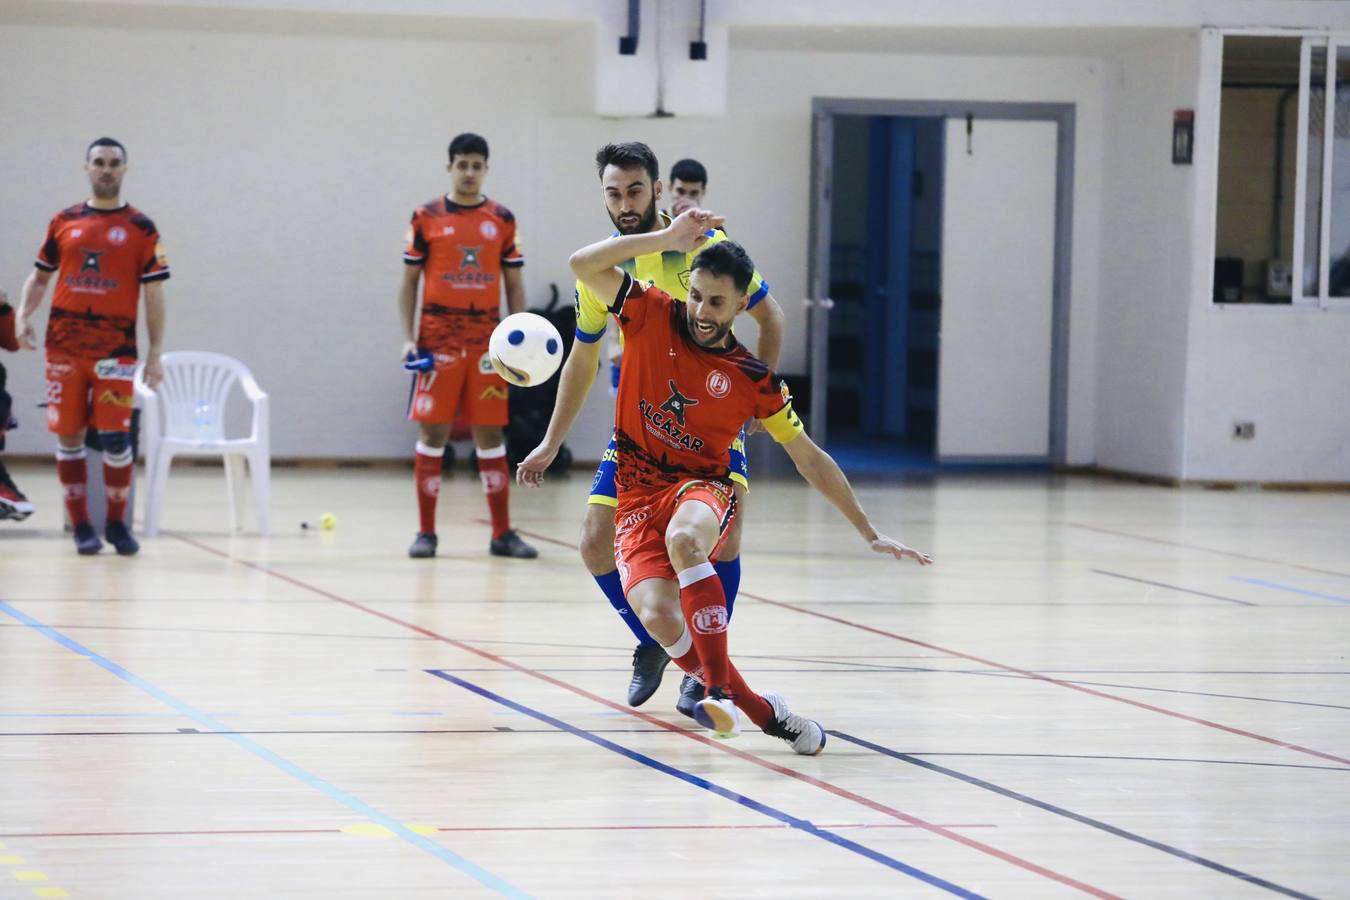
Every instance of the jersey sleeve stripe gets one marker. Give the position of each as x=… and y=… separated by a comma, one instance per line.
x=616, y=306
x=758, y=295
x=155, y=276
x=587, y=337
x=413, y=260
x=784, y=425
x=44, y=266
x=513, y=263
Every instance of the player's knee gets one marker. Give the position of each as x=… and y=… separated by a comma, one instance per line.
x=116, y=447
x=685, y=546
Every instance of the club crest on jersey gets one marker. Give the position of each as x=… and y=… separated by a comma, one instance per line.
x=710, y=620
x=91, y=263
x=719, y=384
x=117, y=235
x=676, y=403
x=488, y=229
x=470, y=260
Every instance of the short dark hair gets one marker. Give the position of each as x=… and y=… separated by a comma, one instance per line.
x=726, y=258
x=468, y=142
x=689, y=170
x=105, y=142
x=628, y=155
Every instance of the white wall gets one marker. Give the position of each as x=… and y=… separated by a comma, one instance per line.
x=1147, y=237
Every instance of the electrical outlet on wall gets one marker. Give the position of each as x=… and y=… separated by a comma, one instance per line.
x=1244, y=430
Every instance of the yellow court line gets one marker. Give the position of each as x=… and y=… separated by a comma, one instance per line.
x=51, y=892
x=10, y=859
x=28, y=874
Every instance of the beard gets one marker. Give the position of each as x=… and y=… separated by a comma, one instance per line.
x=717, y=339
x=646, y=222
x=104, y=190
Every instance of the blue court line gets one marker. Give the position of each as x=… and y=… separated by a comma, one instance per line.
x=352, y=802
x=696, y=781
x=1291, y=590
x=1077, y=817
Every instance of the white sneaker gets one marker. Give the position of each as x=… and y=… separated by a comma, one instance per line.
x=804, y=735
x=719, y=714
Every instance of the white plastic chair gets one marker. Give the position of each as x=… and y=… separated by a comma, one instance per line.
x=185, y=416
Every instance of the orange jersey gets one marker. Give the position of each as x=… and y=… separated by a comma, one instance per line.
x=101, y=257
x=680, y=405
x=462, y=250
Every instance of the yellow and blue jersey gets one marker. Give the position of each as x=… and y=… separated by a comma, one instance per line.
x=669, y=271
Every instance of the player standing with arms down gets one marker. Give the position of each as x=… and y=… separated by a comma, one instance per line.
x=687, y=386
x=465, y=245
x=102, y=251
x=630, y=181
x=13, y=504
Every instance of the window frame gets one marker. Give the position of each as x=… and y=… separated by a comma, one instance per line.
x=1334, y=42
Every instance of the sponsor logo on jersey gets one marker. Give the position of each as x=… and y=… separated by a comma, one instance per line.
x=493, y=392
x=117, y=235
x=447, y=230
x=488, y=229
x=485, y=364
x=91, y=262
x=667, y=427
x=114, y=370
x=112, y=398
x=719, y=384
x=675, y=404
x=710, y=620
x=58, y=370
x=470, y=260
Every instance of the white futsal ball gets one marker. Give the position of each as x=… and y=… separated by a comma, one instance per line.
x=525, y=349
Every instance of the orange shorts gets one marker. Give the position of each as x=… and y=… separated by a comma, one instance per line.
x=83, y=392
x=642, y=518
x=463, y=381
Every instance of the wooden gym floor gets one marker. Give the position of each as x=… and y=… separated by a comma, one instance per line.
x=1100, y=688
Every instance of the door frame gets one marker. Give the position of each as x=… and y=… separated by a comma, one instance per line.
x=823, y=111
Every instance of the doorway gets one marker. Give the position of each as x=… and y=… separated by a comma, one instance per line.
x=940, y=281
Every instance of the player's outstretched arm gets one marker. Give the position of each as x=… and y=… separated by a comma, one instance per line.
x=578, y=374
x=34, y=288
x=597, y=265
x=823, y=473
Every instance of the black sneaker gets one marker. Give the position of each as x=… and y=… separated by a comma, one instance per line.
x=691, y=691
x=86, y=540
x=423, y=546
x=510, y=544
x=120, y=537
x=649, y=662
x=13, y=504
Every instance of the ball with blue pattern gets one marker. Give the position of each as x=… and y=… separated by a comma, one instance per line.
x=525, y=349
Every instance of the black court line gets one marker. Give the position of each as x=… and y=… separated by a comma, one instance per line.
x=1161, y=690
x=1077, y=817
x=1229, y=553
x=1151, y=759
x=1173, y=587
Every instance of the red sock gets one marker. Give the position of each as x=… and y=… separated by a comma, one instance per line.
x=705, y=616
x=427, y=470
x=496, y=476
x=117, y=481
x=73, y=474
x=755, y=707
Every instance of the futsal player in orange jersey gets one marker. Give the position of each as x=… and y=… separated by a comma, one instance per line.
x=686, y=388
x=105, y=254
x=463, y=248
x=13, y=504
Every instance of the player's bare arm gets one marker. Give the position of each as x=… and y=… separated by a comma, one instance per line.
x=407, y=307
x=514, y=279
x=154, y=329
x=768, y=315
x=34, y=289
x=597, y=265
x=578, y=374
x=823, y=473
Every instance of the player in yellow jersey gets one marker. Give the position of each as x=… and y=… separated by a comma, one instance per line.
x=630, y=179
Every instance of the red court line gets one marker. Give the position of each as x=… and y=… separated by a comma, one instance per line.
x=1046, y=678
x=206, y=832
x=741, y=754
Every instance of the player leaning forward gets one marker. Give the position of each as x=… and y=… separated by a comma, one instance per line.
x=687, y=387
